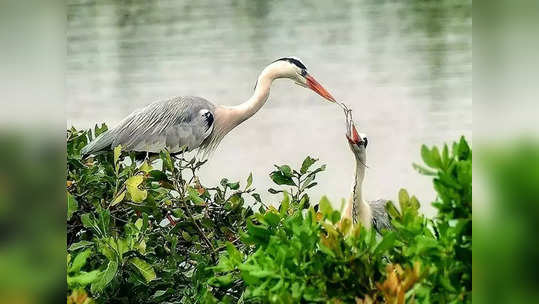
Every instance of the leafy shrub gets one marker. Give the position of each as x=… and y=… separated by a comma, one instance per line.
x=140, y=234
x=145, y=235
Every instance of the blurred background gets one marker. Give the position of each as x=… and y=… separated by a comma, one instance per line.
x=404, y=67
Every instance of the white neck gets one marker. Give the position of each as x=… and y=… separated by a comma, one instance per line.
x=361, y=211
x=227, y=118
x=247, y=109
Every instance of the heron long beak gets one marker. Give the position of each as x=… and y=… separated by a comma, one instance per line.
x=318, y=88
x=353, y=136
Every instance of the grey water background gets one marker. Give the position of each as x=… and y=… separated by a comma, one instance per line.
x=404, y=67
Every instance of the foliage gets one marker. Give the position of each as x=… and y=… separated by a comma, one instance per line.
x=146, y=234
x=139, y=234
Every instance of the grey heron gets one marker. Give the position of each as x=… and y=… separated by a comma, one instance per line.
x=187, y=123
x=371, y=213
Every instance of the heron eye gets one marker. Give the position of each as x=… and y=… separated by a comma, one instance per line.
x=303, y=72
x=366, y=141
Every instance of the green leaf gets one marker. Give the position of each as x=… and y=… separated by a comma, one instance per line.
x=423, y=170
x=83, y=278
x=280, y=178
x=404, y=199
x=307, y=182
x=88, y=221
x=445, y=282
x=426, y=155
x=179, y=213
x=435, y=156
x=221, y=281
x=224, y=182
x=144, y=268
x=387, y=242
x=118, y=199
x=285, y=204
x=167, y=160
x=414, y=203
x=80, y=260
x=103, y=220
x=463, y=149
x=158, y=175
x=234, y=186
x=256, y=196
x=100, y=130
x=325, y=206
x=445, y=155
x=258, y=231
x=307, y=163
x=138, y=224
x=286, y=170
x=72, y=205
x=335, y=216
x=186, y=236
x=106, y=277
x=234, y=254
x=249, y=181
x=135, y=193
x=311, y=185
x=194, y=197
x=271, y=218
x=146, y=167
x=117, y=153
x=159, y=293
x=392, y=210
x=80, y=245
x=273, y=191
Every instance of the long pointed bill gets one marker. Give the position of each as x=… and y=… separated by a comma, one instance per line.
x=354, y=136
x=318, y=88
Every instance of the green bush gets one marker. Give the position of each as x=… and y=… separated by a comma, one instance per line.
x=139, y=234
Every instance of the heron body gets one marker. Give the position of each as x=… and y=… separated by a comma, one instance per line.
x=188, y=123
x=184, y=121
x=368, y=213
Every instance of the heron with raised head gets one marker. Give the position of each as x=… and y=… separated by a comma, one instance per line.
x=368, y=213
x=187, y=123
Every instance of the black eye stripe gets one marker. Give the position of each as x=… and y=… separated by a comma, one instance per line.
x=293, y=61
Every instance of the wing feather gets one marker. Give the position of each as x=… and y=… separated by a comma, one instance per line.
x=173, y=124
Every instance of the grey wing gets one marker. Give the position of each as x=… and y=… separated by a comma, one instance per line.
x=175, y=124
x=380, y=218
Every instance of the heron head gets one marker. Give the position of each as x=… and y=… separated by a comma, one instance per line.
x=294, y=69
x=357, y=141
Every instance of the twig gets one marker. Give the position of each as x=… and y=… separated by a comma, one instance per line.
x=200, y=231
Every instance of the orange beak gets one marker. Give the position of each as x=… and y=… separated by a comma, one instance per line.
x=354, y=136
x=318, y=88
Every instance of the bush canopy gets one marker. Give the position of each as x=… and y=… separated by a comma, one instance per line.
x=152, y=232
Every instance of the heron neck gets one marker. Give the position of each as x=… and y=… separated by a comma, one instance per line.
x=361, y=211
x=247, y=109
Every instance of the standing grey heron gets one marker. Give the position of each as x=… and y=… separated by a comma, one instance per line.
x=186, y=123
x=372, y=213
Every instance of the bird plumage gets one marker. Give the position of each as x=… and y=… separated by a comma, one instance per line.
x=175, y=124
x=368, y=213
x=188, y=123
x=380, y=218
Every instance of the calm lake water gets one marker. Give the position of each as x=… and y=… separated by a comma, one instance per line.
x=404, y=67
